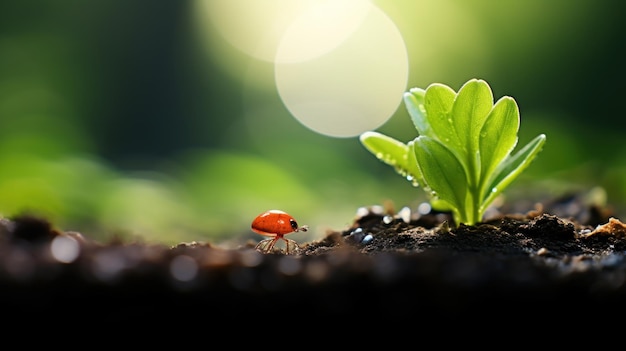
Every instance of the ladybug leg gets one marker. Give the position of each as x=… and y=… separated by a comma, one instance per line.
x=291, y=246
x=266, y=245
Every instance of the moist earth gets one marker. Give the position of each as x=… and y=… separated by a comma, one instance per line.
x=559, y=257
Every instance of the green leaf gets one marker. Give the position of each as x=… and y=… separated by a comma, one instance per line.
x=414, y=102
x=508, y=170
x=498, y=137
x=442, y=171
x=469, y=113
x=394, y=153
x=438, y=102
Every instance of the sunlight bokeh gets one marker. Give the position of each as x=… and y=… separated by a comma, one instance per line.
x=353, y=88
x=284, y=31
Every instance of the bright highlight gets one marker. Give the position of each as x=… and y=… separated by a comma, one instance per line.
x=353, y=88
x=340, y=67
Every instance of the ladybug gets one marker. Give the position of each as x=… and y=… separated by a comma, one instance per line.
x=276, y=224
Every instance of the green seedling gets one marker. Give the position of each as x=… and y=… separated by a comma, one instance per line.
x=462, y=154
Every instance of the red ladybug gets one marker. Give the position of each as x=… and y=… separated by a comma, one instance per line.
x=276, y=224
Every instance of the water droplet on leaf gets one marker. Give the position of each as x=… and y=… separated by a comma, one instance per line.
x=401, y=171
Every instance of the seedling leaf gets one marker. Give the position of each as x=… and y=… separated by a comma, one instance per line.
x=498, y=136
x=442, y=171
x=414, y=101
x=394, y=153
x=438, y=102
x=508, y=170
x=469, y=112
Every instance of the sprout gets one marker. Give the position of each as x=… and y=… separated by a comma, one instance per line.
x=462, y=156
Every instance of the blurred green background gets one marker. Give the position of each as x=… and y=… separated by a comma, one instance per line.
x=182, y=120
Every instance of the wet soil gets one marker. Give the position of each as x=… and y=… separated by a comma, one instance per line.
x=558, y=259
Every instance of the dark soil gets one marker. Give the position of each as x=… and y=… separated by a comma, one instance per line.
x=558, y=259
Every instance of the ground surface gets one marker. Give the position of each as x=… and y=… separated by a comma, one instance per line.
x=559, y=258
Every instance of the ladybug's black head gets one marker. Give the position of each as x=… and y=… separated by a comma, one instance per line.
x=294, y=224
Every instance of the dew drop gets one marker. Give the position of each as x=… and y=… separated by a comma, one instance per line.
x=413, y=181
x=358, y=234
x=367, y=238
x=357, y=230
x=390, y=160
x=494, y=190
x=401, y=171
